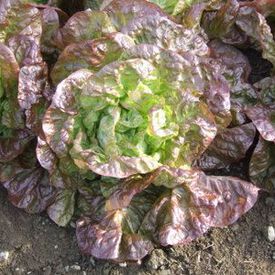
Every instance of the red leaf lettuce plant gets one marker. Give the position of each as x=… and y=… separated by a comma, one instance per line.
x=24, y=96
x=140, y=101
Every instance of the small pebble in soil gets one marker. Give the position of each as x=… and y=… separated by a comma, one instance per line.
x=157, y=259
x=72, y=224
x=19, y=270
x=4, y=256
x=123, y=264
x=270, y=233
x=47, y=270
x=56, y=246
x=165, y=272
x=76, y=267
x=92, y=261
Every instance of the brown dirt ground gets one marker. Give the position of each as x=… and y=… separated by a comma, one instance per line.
x=37, y=246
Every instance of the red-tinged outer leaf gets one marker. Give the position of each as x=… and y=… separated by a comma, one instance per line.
x=62, y=210
x=217, y=92
x=107, y=241
x=262, y=165
x=130, y=9
x=220, y=22
x=165, y=33
x=231, y=57
x=52, y=125
x=26, y=50
x=27, y=183
x=13, y=146
x=254, y=25
x=91, y=54
x=85, y=25
x=113, y=233
x=263, y=118
x=229, y=146
x=125, y=192
x=265, y=7
x=45, y=155
x=52, y=19
x=64, y=178
x=32, y=82
x=18, y=18
x=63, y=173
x=22, y=34
x=30, y=190
x=137, y=213
x=192, y=17
x=189, y=210
x=8, y=64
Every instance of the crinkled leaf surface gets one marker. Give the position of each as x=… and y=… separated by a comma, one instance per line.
x=113, y=235
x=27, y=183
x=173, y=7
x=138, y=213
x=64, y=176
x=140, y=84
x=21, y=32
x=18, y=18
x=14, y=145
x=220, y=22
x=263, y=113
x=188, y=210
x=10, y=114
x=52, y=18
x=90, y=54
x=154, y=136
x=263, y=118
x=83, y=26
x=229, y=146
x=62, y=210
x=254, y=25
x=262, y=165
x=240, y=24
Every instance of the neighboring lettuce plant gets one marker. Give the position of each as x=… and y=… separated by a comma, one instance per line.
x=24, y=97
x=262, y=163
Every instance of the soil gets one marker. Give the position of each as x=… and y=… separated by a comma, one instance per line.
x=37, y=246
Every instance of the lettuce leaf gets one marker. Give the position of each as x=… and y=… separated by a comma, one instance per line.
x=261, y=167
x=229, y=146
x=27, y=182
